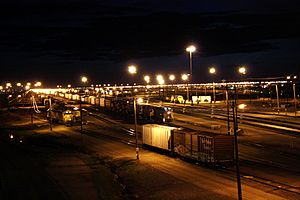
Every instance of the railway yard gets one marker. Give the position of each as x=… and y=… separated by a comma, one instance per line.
x=99, y=162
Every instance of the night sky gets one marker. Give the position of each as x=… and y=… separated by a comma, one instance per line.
x=57, y=41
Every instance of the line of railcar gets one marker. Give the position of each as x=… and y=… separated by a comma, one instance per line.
x=123, y=107
x=202, y=147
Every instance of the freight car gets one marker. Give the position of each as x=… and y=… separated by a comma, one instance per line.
x=202, y=147
x=145, y=112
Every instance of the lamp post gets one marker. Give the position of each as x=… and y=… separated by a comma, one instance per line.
x=242, y=71
x=160, y=81
x=185, y=77
x=277, y=98
x=132, y=70
x=212, y=70
x=147, y=79
x=172, y=78
x=83, y=80
x=294, y=92
x=191, y=49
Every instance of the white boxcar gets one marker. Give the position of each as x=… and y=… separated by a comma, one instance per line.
x=157, y=135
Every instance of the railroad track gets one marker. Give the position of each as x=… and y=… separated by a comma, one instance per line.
x=246, y=176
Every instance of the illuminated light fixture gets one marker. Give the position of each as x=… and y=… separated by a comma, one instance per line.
x=38, y=84
x=69, y=85
x=18, y=84
x=172, y=77
x=242, y=70
x=84, y=79
x=184, y=77
x=191, y=49
x=147, y=78
x=8, y=84
x=212, y=70
x=132, y=69
x=160, y=79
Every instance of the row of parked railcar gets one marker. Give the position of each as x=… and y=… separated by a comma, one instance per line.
x=123, y=106
x=202, y=147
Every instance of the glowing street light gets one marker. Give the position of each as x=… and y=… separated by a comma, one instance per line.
x=212, y=70
x=160, y=79
x=184, y=77
x=293, y=78
x=84, y=79
x=191, y=49
x=147, y=79
x=132, y=69
x=242, y=70
x=1, y=87
x=172, y=77
x=8, y=85
x=19, y=84
x=38, y=84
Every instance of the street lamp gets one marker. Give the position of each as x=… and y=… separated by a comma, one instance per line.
x=212, y=70
x=147, y=79
x=294, y=91
x=136, y=101
x=191, y=49
x=242, y=70
x=132, y=69
x=83, y=80
x=160, y=81
x=185, y=77
x=172, y=77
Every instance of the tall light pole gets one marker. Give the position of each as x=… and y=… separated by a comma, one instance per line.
x=294, y=92
x=277, y=97
x=242, y=71
x=212, y=70
x=160, y=81
x=132, y=70
x=185, y=77
x=84, y=81
x=172, y=78
x=147, y=79
x=191, y=49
